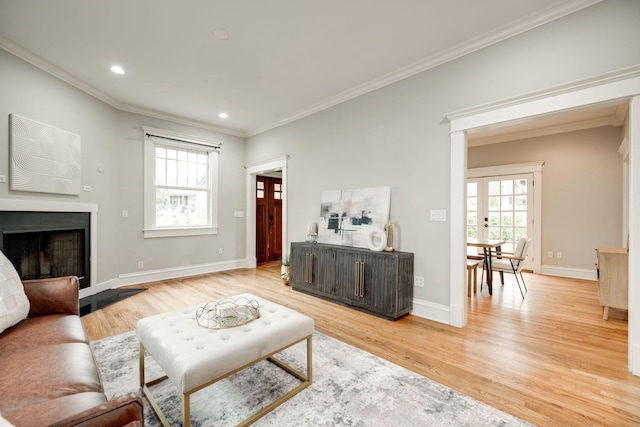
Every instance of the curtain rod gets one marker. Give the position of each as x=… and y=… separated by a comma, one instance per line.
x=214, y=146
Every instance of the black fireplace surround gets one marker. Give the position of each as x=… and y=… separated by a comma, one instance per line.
x=47, y=244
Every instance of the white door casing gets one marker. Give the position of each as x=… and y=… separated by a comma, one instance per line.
x=622, y=85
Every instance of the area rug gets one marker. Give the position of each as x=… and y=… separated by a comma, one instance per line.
x=350, y=388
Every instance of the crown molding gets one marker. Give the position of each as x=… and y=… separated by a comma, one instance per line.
x=177, y=119
x=61, y=74
x=54, y=70
x=467, y=119
x=546, y=130
x=525, y=24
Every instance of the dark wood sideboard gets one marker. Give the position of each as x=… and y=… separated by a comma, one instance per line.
x=380, y=283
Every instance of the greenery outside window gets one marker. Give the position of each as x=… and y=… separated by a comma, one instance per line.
x=180, y=184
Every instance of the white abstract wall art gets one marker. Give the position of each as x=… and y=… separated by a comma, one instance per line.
x=347, y=217
x=43, y=158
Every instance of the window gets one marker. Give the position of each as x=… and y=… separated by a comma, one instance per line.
x=180, y=179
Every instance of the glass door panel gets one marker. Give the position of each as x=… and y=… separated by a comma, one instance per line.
x=500, y=208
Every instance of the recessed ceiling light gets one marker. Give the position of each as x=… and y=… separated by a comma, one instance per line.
x=223, y=115
x=221, y=34
x=117, y=69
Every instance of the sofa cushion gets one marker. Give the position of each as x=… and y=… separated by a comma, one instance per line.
x=49, y=412
x=30, y=377
x=14, y=305
x=60, y=329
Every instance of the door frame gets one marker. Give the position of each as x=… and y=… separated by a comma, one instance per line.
x=617, y=86
x=253, y=170
x=534, y=168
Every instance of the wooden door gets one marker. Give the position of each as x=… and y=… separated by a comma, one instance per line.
x=268, y=219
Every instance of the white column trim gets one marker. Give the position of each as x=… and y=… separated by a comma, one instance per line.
x=458, y=246
x=634, y=235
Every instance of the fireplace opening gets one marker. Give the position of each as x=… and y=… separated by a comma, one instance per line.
x=47, y=244
x=41, y=255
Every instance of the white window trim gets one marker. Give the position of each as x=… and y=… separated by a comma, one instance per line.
x=149, y=230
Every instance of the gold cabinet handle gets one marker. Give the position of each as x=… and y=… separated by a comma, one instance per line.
x=357, y=278
x=362, y=279
x=308, y=272
x=306, y=268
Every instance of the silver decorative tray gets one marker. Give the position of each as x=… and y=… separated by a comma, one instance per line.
x=227, y=313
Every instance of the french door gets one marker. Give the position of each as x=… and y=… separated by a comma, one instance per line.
x=501, y=208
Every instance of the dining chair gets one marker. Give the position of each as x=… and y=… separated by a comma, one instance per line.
x=507, y=262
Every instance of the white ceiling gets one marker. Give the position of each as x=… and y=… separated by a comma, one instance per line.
x=284, y=59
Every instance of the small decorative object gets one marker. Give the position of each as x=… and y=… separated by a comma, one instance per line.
x=390, y=229
x=376, y=239
x=227, y=313
x=285, y=270
x=226, y=309
x=312, y=232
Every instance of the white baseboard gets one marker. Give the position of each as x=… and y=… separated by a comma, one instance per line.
x=431, y=311
x=572, y=273
x=634, y=363
x=163, y=274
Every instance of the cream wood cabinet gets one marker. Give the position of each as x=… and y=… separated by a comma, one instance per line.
x=613, y=278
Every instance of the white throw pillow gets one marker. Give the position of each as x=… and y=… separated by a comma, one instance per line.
x=5, y=423
x=14, y=305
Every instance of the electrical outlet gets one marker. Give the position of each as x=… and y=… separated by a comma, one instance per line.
x=3, y=178
x=550, y=254
x=125, y=213
x=559, y=255
x=140, y=265
x=220, y=251
x=418, y=281
x=87, y=188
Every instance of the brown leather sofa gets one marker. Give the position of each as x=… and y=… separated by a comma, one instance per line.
x=48, y=375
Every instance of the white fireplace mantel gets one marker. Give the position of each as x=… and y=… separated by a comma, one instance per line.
x=57, y=206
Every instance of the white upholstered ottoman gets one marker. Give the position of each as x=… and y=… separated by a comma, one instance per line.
x=194, y=357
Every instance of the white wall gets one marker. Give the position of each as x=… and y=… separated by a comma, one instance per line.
x=582, y=192
x=396, y=135
x=114, y=138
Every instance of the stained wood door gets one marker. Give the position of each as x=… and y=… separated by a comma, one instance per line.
x=268, y=219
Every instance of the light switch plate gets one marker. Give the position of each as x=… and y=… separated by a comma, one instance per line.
x=438, y=215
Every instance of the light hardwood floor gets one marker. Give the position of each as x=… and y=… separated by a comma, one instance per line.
x=549, y=359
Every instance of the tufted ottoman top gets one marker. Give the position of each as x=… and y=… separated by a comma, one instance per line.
x=193, y=356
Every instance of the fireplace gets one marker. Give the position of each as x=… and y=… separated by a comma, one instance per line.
x=47, y=244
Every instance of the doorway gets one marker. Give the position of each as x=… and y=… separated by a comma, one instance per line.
x=621, y=89
x=501, y=208
x=268, y=218
x=264, y=168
